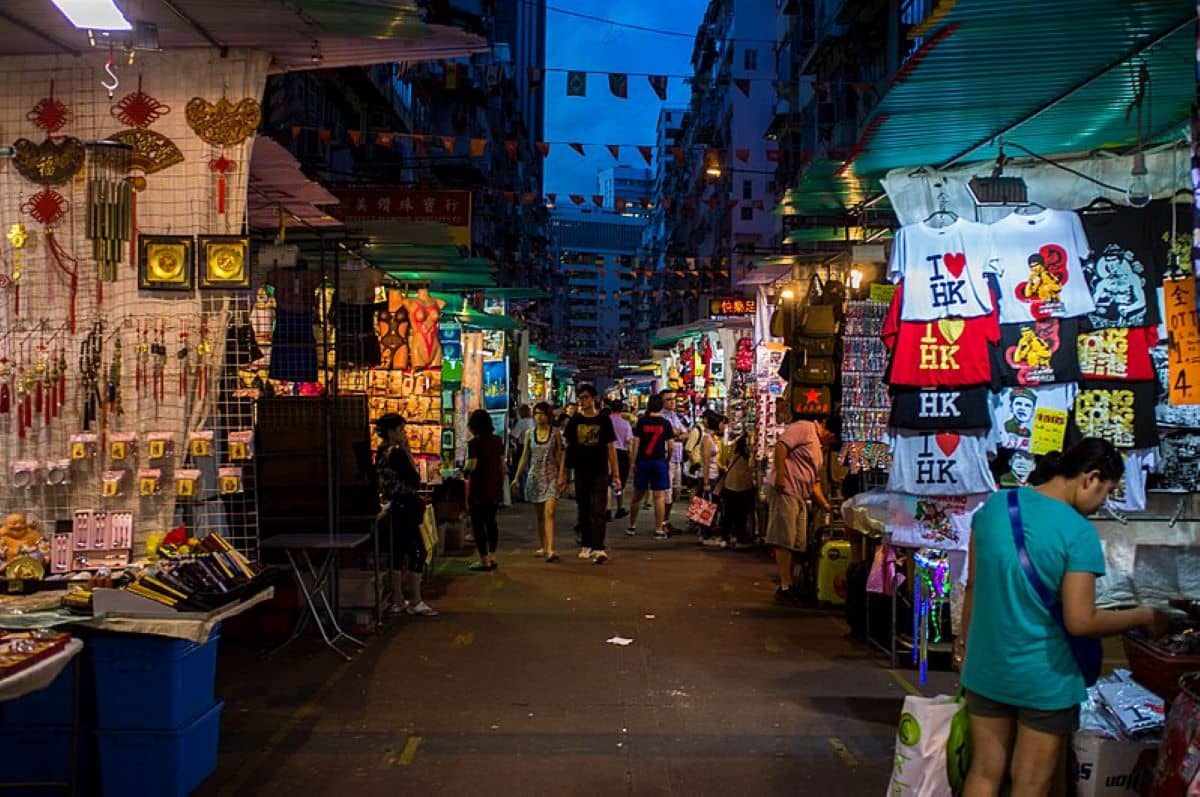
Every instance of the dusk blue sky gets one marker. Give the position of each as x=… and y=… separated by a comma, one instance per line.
x=599, y=118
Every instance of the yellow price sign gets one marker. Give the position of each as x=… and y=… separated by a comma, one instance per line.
x=1049, y=431
x=882, y=292
x=111, y=488
x=147, y=486
x=158, y=449
x=185, y=487
x=78, y=451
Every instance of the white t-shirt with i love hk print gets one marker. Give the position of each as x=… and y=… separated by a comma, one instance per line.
x=1040, y=262
x=943, y=270
x=941, y=463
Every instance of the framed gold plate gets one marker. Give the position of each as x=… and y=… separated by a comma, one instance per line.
x=166, y=262
x=224, y=262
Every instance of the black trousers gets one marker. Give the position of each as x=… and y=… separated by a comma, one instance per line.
x=738, y=504
x=485, y=529
x=591, y=497
x=403, y=522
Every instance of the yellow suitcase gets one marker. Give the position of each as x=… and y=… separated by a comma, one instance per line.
x=831, y=572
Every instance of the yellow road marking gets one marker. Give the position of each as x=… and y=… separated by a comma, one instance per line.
x=904, y=683
x=462, y=640
x=839, y=747
x=772, y=645
x=410, y=750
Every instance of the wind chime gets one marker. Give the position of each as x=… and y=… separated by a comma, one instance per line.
x=109, y=205
x=931, y=593
x=222, y=124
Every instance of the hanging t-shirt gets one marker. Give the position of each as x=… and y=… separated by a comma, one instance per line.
x=935, y=409
x=1038, y=352
x=1012, y=468
x=1180, y=462
x=940, y=463
x=1117, y=353
x=1124, y=267
x=1130, y=494
x=942, y=269
x=1018, y=411
x=1186, y=416
x=949, y=352
x=1040, y=262
x=1120, y=412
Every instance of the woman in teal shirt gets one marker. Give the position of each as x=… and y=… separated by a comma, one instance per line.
x=1022, y=683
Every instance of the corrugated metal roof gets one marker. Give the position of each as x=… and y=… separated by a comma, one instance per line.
x=1064, y=73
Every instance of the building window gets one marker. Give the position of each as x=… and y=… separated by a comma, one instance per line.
x=747, y=189
x=750, y=58
x=747, y=214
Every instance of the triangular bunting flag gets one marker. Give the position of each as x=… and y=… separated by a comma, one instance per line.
x=618, y=84
x=743, y=85
x=478, y=147
x=598, y=200
x=773, y=156
x=528, y=198
x=385, y=140
x=678, y=153
x=536, y=76
x=742, y=154
x=668, y=202
x=578, y=148
x=619, y=204
x=615, y=150
x=576, y=84
x=552, y=199
x=325, y=134
x=731, y=204
x=647, y=154
x=510, y=147
x=543, y=148
x=419, y=145
x=510, y=197
x=659, y=84
x=577, y=199
x=449, y=143
x=645, y=202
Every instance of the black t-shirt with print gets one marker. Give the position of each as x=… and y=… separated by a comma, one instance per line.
x=1038, y=353
x=945, y=408
x=654, y=435
x=1126, y=263
x=587, y=443
x=1120, y=412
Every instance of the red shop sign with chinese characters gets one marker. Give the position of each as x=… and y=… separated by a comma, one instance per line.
x=401, y=204
x=731, y=306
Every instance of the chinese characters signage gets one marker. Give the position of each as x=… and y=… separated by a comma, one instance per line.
x=451, y=208
x=1183, y=340
x=731, y=306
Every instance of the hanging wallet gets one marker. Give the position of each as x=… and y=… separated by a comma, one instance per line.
x=814, y=371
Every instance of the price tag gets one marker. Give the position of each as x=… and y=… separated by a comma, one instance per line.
x=882, y=292
x=1183, y=341
x=1049, y=431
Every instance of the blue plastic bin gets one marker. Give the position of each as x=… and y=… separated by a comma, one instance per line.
x=52, y=706
x=151, y=682
x=161, y=763
x=35, y=754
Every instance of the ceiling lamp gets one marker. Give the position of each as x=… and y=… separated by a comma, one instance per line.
x=93, y=14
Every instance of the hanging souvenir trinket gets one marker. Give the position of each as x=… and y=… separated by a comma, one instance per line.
x=91, y=349
x=158, y=353
x=53, y=162
x=182, y=356
x=222, y=124
x=203, y=350
x=112, y=388
x=18, y=237
x=109, y=205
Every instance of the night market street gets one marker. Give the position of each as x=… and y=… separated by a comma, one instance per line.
x=514, y=688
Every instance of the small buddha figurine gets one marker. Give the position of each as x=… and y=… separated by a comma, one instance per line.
x=19, y=535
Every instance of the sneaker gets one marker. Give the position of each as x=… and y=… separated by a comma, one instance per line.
x=540, y=552
x=477, y=566
x=423, y=609
x=395, y=610
x=552, y=557
x=631, y=531
x=662, y=534
x=713, y=542
x=600, y=557
x=585, y=553
x=622, y=512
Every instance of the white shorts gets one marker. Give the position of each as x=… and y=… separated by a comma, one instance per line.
x=676, y=477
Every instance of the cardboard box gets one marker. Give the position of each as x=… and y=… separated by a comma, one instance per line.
x=1111, y=768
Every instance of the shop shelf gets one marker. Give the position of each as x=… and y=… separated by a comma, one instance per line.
x=151, y=682
x=1156, y=669
x=162, y=763
x=52, y=706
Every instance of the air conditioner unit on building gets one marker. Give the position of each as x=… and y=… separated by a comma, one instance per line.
x=283, y=255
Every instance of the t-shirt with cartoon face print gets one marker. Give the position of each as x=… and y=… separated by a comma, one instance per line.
x=1038, y=352
x=1039, y=259
x=943, y=270
x=1124, y=264
x=1015, y=412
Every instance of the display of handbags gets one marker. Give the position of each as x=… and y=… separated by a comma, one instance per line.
x=814, y=371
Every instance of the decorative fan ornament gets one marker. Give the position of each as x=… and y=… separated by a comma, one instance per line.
x=152, y=151
x=222, y=124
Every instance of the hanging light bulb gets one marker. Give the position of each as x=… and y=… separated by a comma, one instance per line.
x=1138, y=192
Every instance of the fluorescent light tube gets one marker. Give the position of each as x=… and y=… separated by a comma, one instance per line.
x=93, y=14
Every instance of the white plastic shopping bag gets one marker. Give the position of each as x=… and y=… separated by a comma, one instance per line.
x=932, y=748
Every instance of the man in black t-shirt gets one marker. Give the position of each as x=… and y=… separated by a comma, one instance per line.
x=650, y=449
x=592, y=454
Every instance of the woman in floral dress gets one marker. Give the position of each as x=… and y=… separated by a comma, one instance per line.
x=540, y=461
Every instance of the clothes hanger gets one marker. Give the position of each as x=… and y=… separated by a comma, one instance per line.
x=942, y=213
x=1101, y=205
x=1030, y=209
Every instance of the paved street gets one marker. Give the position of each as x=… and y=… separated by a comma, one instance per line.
x=513, y=690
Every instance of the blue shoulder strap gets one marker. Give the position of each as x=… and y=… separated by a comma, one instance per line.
x=1014, y=515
